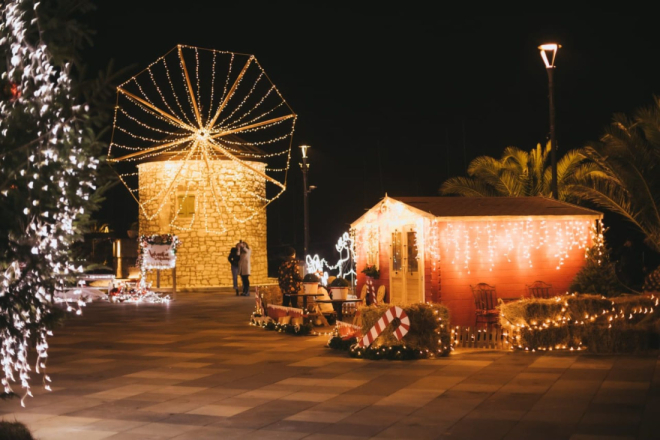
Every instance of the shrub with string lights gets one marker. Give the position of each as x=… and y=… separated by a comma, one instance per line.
x=47, y=184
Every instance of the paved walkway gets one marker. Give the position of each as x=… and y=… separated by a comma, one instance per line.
x=194, y=369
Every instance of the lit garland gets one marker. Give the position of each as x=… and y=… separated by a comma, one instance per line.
x=305, y=329
x=158, y=239
x=345, y=265
x=197, y=136
x=54, y=185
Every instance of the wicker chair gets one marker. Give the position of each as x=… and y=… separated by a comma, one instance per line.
x=539, y=289
x=485, y=302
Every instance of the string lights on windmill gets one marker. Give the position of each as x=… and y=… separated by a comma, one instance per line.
x=219, y=125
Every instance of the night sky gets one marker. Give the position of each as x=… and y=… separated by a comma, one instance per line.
x=394, y=104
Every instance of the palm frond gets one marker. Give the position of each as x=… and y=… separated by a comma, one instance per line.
x=467, y=187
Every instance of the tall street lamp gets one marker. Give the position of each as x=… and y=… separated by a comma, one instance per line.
x=306, y=190
x=551, y=49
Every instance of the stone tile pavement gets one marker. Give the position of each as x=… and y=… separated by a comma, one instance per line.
x=194, y=369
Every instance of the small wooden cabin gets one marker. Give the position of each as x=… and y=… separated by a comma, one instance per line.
x=435, y=248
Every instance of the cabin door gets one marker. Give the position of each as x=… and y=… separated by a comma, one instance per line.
x=405, y=276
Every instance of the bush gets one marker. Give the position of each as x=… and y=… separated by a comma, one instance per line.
x=371, y=271
x=628, y=323
x=310, y=278
x=298, y=330
x=339, y=282
x=338, y=343
x=429, y=334
x=14, y=431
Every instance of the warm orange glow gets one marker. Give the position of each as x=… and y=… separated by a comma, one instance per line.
x=304, y=150
x=549, y=47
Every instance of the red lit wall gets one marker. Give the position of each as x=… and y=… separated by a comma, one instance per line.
x=553, y=252
x=508, y=254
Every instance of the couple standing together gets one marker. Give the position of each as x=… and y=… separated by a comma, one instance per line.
x=239, y=258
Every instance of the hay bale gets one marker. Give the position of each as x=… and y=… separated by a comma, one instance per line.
x=429, y=328
x=627, y=323
x=271, y=295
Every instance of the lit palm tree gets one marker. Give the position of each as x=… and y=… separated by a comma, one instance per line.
x=629, y=184
x=519, y=174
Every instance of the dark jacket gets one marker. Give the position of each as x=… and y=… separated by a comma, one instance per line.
x=233, y=257
x=289, y=277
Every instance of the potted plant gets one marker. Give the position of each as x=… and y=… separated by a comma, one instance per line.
x=372, y=282
x=339, y=288
x=310, y=283
x=371, y=271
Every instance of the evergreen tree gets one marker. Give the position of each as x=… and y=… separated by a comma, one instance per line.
x=598, y=275
x=48, y=170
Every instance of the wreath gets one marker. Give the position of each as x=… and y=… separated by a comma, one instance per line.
x=164, y=239
x=160, y=239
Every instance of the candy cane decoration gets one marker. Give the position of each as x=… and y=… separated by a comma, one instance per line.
x=371, y=292
x=259, y=308
x=399, y=332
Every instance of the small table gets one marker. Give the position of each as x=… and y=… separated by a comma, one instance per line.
x=304, y=297
x=337, y=304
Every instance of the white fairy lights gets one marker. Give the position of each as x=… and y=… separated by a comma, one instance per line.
x=622, y=310
x=345, y=265
x=249, y=125
x=471, y=245
x=54, y=185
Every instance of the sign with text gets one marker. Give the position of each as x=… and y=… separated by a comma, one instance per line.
x=158, y=256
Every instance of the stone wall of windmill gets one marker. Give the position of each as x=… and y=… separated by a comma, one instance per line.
x=202, y=256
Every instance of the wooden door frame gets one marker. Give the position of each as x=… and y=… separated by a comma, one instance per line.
x=404, y=268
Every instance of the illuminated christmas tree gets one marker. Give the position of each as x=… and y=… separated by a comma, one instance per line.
x=48, y=171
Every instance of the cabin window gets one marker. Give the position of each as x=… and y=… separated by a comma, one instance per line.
x=411, y=251
x=397, y=254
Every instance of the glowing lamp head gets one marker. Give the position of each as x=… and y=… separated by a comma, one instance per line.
x=550, y=47
x=304, y=150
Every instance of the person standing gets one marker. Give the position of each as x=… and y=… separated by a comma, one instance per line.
x=244, y=266
x=234, y=259
x=288, y=277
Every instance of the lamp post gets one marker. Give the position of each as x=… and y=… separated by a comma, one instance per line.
x=550, y=68
x=306, y=190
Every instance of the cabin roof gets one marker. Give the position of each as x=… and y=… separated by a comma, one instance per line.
x=495, y=206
